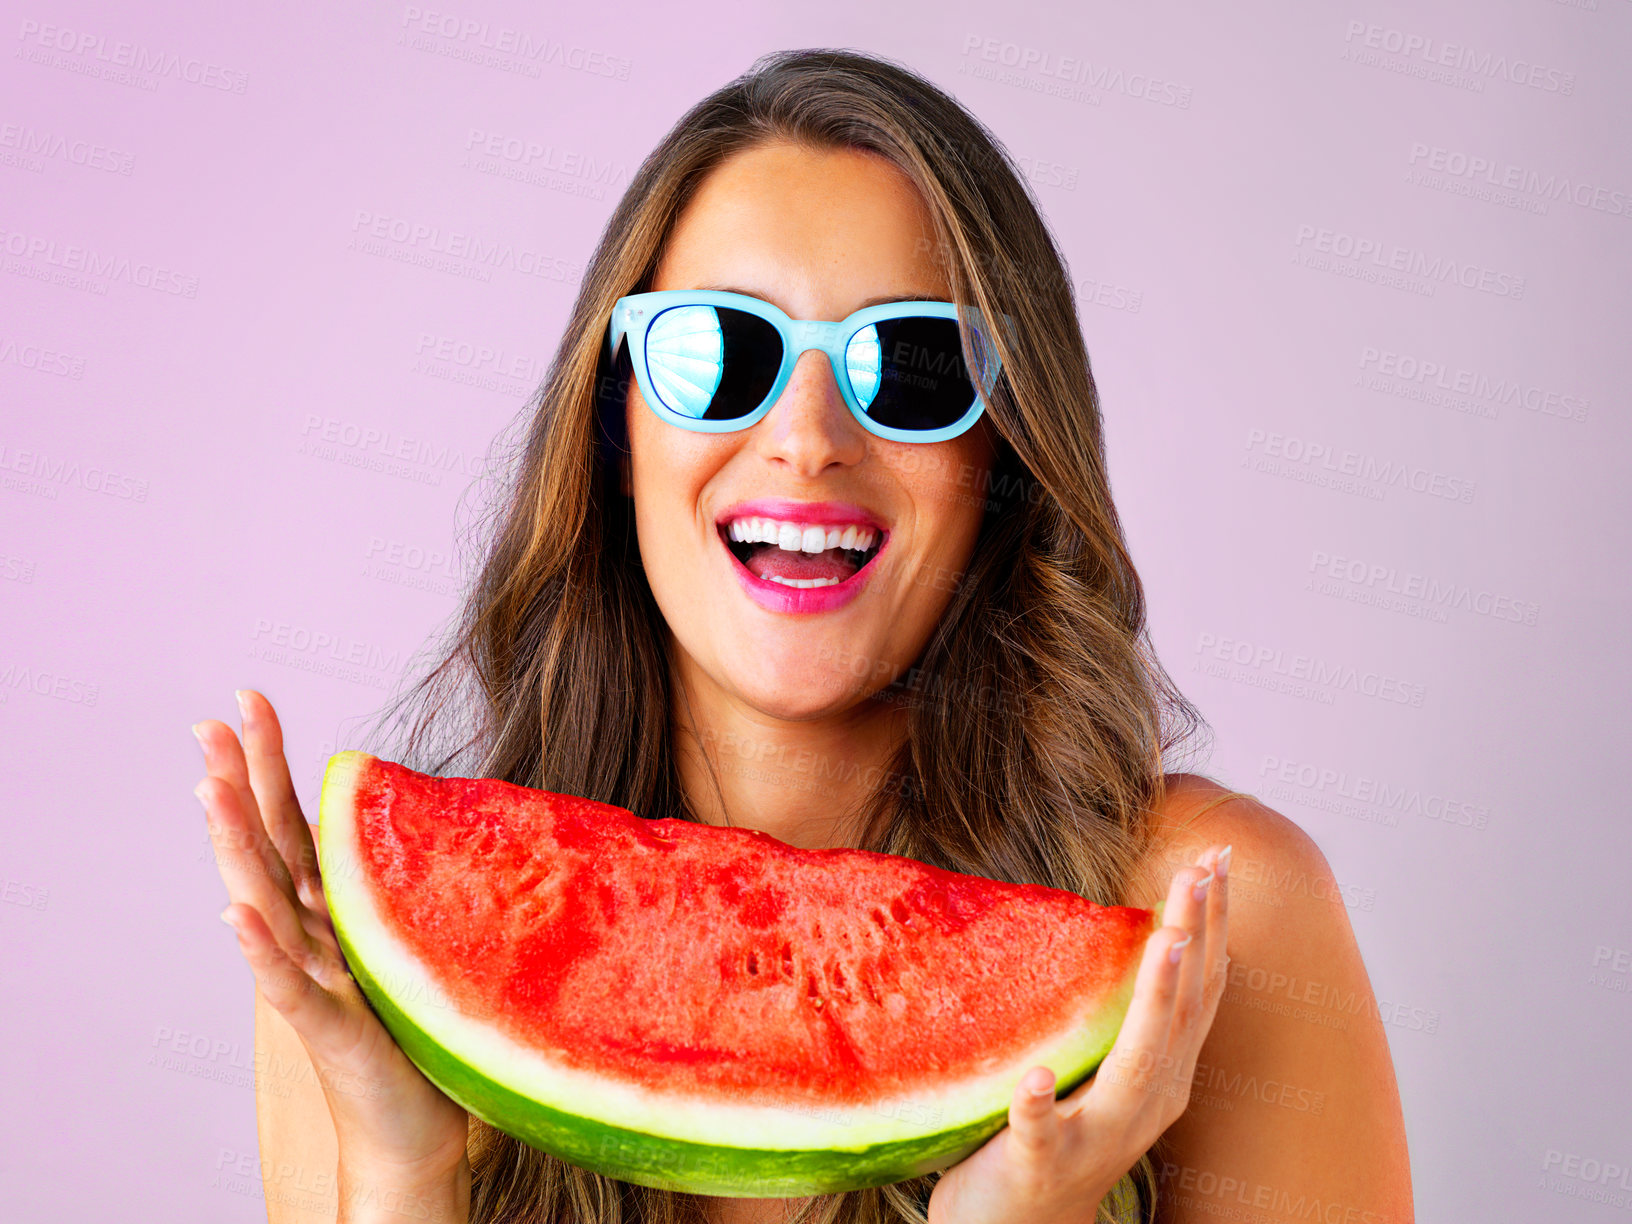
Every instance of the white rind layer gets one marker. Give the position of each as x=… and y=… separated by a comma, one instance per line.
x=532, y=1073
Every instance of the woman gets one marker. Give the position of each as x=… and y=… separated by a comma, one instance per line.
x=648, y=630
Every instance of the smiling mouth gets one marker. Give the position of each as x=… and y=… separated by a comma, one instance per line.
x=797, y=568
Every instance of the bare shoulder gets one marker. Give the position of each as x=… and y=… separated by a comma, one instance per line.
x=1294, y=1092
x=1198, y=812
x=1287, y=910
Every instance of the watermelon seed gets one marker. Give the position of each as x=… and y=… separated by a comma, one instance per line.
x=878, y=917
x=900, y=911
x=753, y=964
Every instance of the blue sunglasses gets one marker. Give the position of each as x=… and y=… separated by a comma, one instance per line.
x=715, y=362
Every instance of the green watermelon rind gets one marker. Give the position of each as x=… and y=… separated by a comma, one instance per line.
x=757, y=1167
x=659, y=1161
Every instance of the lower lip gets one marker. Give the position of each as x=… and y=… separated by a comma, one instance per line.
x=774, y=597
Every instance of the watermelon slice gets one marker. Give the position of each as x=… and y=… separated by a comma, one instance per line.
x=701, y=1008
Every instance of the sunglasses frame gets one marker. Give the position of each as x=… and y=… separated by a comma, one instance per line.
x=633, y=314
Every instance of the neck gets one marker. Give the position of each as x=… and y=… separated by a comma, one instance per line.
x=749, y=1211
x=804, y=782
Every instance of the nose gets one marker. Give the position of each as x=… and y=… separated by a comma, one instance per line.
x=810, y=427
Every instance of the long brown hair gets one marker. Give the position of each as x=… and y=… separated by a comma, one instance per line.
x=1039, y=721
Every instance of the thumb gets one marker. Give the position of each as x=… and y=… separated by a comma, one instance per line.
x=1034, y=1123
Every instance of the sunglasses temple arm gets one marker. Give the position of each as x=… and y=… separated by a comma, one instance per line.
x=615, y=329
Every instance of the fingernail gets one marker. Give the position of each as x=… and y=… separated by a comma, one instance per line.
x=1046, y=1090
x=1176, y=953
x=1200, y=890
x=198, y=793
x=227, y=920
x=243, y=706
x=1222, y=866
x=199, y=736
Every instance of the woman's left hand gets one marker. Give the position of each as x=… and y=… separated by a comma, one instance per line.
x=1056, y=1159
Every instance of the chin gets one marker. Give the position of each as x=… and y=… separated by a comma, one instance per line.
x=800, y=691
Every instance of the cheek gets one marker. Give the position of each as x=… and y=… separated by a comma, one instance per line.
x=652, y=462
x=669, y=472
x=636, y=419
x=952, y=492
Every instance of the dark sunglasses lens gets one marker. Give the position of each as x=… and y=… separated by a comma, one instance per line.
x=712, y=363
x=910, y=374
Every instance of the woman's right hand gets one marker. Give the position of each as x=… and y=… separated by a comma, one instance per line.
x=390, y=1121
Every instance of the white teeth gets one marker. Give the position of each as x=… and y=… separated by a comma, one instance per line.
x=803, y=582
x=801, y=537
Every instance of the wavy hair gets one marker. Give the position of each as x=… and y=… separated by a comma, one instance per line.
x=1039, y=720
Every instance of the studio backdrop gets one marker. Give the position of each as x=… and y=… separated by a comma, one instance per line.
x=1354, y=283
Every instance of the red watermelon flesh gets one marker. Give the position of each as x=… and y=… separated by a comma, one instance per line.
x=694, y=963
x=734, y=962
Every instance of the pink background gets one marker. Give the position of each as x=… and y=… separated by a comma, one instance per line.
x=176, y=524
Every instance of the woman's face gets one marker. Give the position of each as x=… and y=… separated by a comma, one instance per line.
x=819, y=234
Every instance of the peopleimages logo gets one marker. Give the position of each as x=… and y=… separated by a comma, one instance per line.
x=1361, y=788
x=1433, y=590
x=40, y=41
x=503, y=47
x=1611, y=968
x=1074, y=70
x=1493, y=172
x=1407, y=261
x=1272, y=662
x=530, y=154
x=33, y=147
x=451, y=250
x=1438, y=382
x=1487, y=64
x=1277, y=453
x=43, y=473
x=1585, y=1177
x=44, y=360
x=84, y=267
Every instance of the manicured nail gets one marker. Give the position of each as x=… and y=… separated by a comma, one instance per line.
x=243, y=704
x=227, y=920
x=1200, y=890
x=1176, y=953
x=199, y=736
x=1222, y=866
x=1045, y=1090
x=198, y=793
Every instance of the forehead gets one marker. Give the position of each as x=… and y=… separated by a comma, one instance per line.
x=803, y=226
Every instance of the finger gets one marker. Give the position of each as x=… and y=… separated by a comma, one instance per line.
x=1220, y=934
x=1190, y=907
x=275, y=794
x=251, y=869
x=1127, y=1082
x=1186, y=909
x=1140, y=1055
x=241, y=817
x=1215, y=972
x=1034, y=1123
x=317, y=1014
